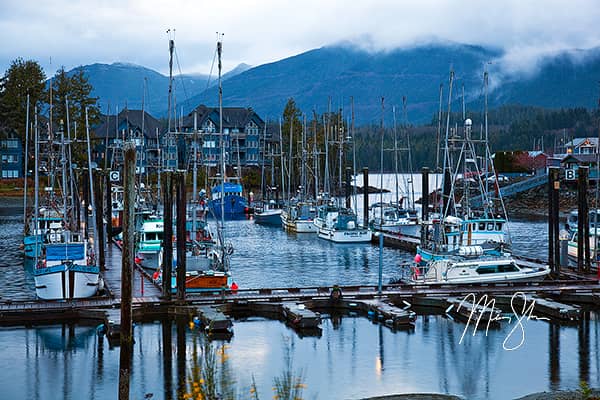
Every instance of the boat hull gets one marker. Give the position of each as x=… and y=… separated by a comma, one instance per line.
x=204, y=281
x=268, y=217
x=234, y=206
x=66, y=282
x=345, y=236
x=150, y=259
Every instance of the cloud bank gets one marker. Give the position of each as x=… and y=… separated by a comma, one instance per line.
x=76, y=33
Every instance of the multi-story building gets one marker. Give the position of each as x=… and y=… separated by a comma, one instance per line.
x=134, y=125
x=11, y=155
x=243, y=133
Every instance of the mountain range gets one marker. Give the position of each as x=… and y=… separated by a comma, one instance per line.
x=335, y=74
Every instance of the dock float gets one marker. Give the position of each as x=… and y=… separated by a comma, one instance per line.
x=390, y=314
x=541, y=307
x=397, y=240
x=467, y=309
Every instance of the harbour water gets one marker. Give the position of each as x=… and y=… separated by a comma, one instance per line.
x=352, y=358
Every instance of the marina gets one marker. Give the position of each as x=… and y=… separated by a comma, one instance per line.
x=332, y=225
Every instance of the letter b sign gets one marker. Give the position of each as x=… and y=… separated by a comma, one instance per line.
x=570, y=174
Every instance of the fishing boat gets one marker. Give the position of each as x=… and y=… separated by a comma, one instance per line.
x=400, y=216
x=235, y=205
x=149, y=252
x=468, y=240
x=66, y=267
x=300, y=218
x=572, y=245
x=340, y=225
x=269, y=215
x=208, y=256
x=476, y=268
x=389, y=217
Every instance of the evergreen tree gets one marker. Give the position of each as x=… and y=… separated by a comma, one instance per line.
x=21, y=78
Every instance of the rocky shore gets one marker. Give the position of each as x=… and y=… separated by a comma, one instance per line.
x=534, y=202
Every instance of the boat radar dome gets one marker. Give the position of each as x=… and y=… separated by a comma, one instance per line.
x=468, y=122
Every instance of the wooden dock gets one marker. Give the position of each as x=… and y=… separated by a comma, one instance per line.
x=397, y=240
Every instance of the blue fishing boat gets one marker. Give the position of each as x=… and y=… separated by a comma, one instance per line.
x=235, y=205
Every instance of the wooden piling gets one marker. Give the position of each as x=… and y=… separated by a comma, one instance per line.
x=167, y=353
x=168, y=234
x=127, y=270
x=181, y=238
x=365, y=196
x=585, y=215
x=99, y=213
x=108, y=197
x=181, y=324
x=425, y=195
x=582, y=231
x=552, y=172
x=555, y=220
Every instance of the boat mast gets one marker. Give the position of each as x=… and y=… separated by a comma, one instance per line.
x=221, y=143
x=262, y=167
x=327, y=187
x=303, y=167
x=354, y=194
x=290, y=163
x=315, y=156
x=26, y=160
x=91, y=184
x=409, y=149
x=281, y=160
x=381, y=165
x=446, y=153
x=437, y=153
x=195, y=177
x=395, y=156
x=36, y=190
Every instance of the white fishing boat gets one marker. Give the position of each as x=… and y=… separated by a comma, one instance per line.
x=388, y=217
x=340, y=225
x=476, y=269
x=149, y=252
x=300, y=218
x=468, y=241
x=67, y=267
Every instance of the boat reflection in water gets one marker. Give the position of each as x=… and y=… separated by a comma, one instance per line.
x=354, y=358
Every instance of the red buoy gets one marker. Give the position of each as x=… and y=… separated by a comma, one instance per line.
x=234, y=287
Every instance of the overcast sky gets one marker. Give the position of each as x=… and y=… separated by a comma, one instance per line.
x=72, y=33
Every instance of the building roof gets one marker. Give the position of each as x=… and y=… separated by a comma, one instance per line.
x=580, y=158
x=233, y=117
x=584, y=141
x=537, y=153
x=131, y=117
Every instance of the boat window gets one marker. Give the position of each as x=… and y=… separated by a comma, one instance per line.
x=487, y=269
x=482, y=226
x=490, y=226
x=159, y=236
x=150, y=236
x=474, y=226
x=508, y=268
x=498, y=226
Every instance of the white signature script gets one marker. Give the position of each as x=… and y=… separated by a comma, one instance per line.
x=480, y=306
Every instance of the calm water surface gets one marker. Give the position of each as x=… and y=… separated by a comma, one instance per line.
x=352, y=357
